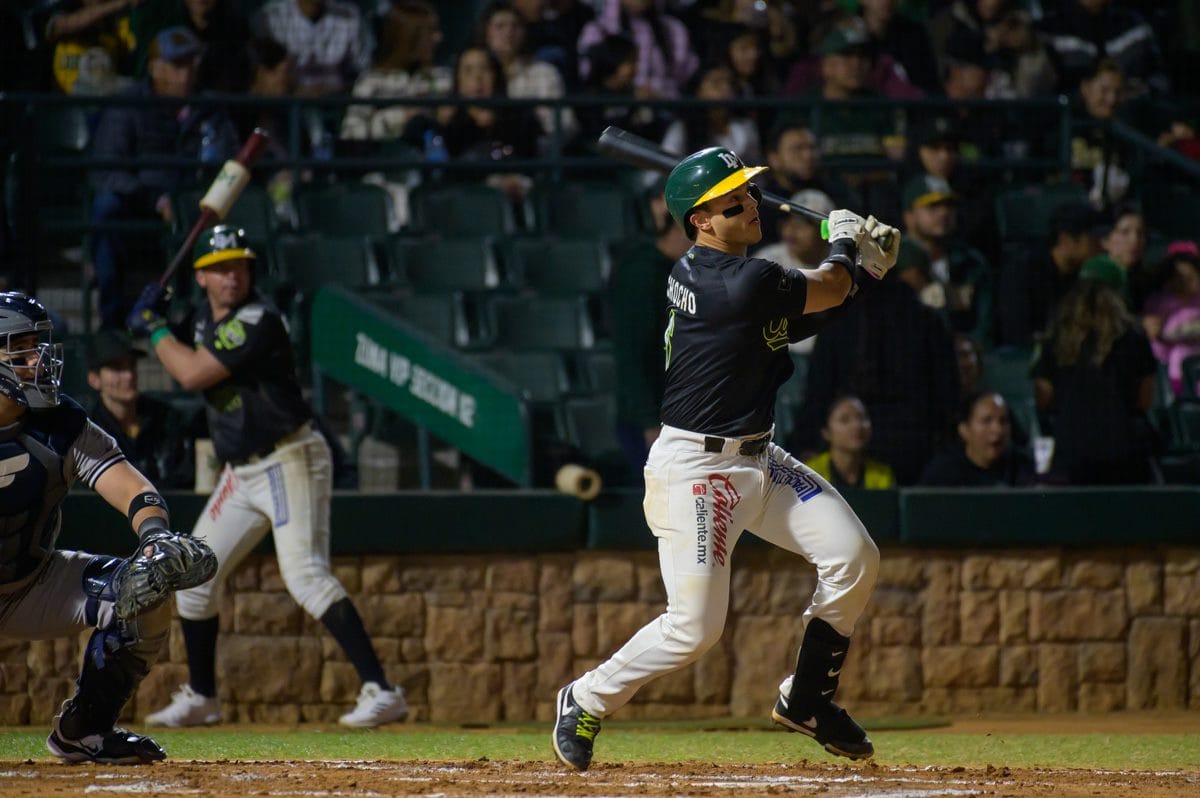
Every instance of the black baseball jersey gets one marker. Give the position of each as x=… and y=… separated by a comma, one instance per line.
x=261, y=401
x=726, y=341
x=42, y=454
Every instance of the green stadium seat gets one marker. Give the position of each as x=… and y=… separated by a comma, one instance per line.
x=541, y=376
x=597, y=370
x=310, y=261
x=591, y=424
x=346, y=209
x=1172, y=210
x=61, y=129
x=538, y=323
x=560, y=266
x=253, y=212
x=434, y=265
x=1023, y=214
x=462, y=209
x=585, y=209
x=442, y=316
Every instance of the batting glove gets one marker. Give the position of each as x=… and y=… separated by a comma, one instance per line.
x=879, y=247
x=845, y=225
x=149, y=313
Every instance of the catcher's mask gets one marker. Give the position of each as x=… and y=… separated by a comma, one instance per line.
x=29, y=358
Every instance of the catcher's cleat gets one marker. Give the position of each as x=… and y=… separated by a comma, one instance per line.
x=575, y=731
x=376, y=706
x=165, y=562
x=187, y=708
x=113, y=747
x=828, y=724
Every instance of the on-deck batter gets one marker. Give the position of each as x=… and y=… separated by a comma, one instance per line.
x=278, y=474
x=714, y=472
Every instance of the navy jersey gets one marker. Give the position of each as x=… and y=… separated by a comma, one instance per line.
x=261, y=401
x=726, y=341
x=41, y=455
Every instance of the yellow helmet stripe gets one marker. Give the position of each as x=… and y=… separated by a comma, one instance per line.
x=743, y=175
x=208, y=259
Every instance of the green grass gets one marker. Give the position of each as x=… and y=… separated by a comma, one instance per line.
x=658, y=742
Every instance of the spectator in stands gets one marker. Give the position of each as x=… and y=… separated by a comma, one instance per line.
x=845, y=464
x=753, y=73
x=970, y=363
x=666, y=60
x=714, y=25
x=856, y=69
x=328, y=39
x=218, y=25
x=1171, y=315
x=614, y=65
x=904, y=40
x=158, y=440
x=1019, y=64
x=502, y=30
x=985, y=456
x=800, y=245
x=479, y=133
x=931, y=222
x=639, y=317
x=1125, y=243
x=715, y=126
x=1030, y=288
x=553, y=28
x=126, y=132
x=1099, y=161
x=795, y=161
x=1082, y=32
x=1094, y=379
x=409, y=35
x=273, y=75
x=92, y=46
x=898, y=357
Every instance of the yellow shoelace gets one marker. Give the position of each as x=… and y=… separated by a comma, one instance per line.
x=588, y=726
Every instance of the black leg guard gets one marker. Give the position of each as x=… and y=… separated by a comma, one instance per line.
x=808, y=706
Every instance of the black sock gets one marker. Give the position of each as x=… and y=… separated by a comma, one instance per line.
x=344, y=623
x=200, y=640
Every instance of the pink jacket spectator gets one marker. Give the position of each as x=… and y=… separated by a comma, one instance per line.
x=656, y=73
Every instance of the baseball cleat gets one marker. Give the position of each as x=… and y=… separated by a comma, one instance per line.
x=376, y=706
x=829, y=725
x=187, y=708
x=113, y=747
x=575, y=731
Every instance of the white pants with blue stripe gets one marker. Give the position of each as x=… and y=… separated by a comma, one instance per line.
x=697, y=504
x=288, y=492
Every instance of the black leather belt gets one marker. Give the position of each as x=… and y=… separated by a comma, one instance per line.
x=749, y=448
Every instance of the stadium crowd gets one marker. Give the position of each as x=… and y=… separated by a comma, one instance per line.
x=1101, y=311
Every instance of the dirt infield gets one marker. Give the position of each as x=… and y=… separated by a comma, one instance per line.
x=526, y=779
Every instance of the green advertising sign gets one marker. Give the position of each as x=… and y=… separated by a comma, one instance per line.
x=361, y=345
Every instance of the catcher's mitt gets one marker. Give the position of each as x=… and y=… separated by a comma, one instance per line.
x=165, y=562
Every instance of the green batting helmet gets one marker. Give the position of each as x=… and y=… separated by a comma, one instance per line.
x=224, y=242
x=702, y=176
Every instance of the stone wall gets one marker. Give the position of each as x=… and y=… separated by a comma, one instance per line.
x=492, y=638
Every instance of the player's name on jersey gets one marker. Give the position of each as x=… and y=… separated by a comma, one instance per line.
x=680, y=296
x=422, y=383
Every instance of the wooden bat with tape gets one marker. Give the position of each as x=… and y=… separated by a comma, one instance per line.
x=633, y=149
x=216, y=202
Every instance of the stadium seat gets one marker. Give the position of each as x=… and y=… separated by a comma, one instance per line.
x=442, y=316
x=789, y=398
x=310, y=261
x=560, y=266
x=541, y=376
x=589, y=208
x=62, y=129
x=538, y=323
x=462, y=209
x=1023, y=214
x=1172, y=210
x=591, y=425
x=345, y=209
x=75, y=367
x=434, y=265
x=1191, y=376
x=1184, y=415
x=254, y=212
x=597, y=370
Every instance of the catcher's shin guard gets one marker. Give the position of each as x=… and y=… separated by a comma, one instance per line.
x=805, y=702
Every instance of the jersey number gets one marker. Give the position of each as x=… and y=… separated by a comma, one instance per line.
x=667, y=337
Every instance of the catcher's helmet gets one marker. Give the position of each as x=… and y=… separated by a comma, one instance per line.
x=34, y=367
x=702, y=176
x=224, y=242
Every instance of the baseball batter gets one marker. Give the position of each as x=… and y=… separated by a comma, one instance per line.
x=47, y=443
x=714, y=472
x=278, y=474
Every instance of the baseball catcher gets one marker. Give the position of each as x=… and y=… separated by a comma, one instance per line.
x=713, y=471
x=47, y=443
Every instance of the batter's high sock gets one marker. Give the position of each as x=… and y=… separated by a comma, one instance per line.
x=200, y=640
x=344, y=623
x=818, y=666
